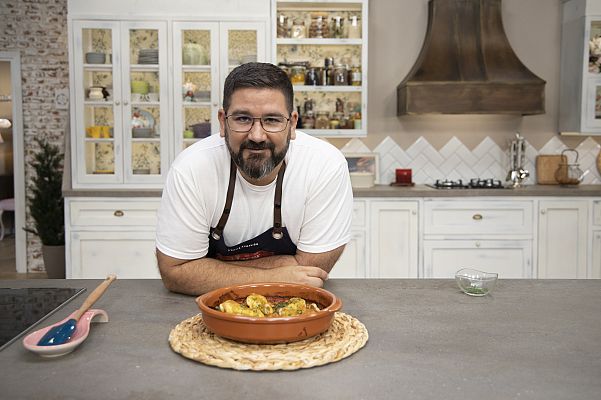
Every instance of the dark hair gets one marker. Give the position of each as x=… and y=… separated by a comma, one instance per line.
x=260, y=76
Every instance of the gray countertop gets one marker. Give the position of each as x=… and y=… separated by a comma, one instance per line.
x=530, y=339
x=389, y=191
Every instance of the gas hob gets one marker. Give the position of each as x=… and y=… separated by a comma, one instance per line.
x=475, y=183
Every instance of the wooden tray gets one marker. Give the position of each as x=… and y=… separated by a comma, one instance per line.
x=546, y=165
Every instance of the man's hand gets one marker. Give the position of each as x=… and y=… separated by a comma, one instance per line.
x=301, y=274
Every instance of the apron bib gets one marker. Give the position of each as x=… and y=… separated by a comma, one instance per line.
x=272, y=242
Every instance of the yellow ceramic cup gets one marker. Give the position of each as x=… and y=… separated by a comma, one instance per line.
x=94, y=131
x=105, y=132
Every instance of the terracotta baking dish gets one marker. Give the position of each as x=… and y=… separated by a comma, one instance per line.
x=268, y=330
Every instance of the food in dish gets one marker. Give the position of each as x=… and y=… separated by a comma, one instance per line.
x=256, y=305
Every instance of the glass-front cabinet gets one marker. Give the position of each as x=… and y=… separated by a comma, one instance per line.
x=593, y=75
x=580, y=76
x=121, y=102
x=204, y=54
x=323, y=48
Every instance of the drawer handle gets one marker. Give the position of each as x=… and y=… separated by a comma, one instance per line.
x=118, y=213
x=477, y=217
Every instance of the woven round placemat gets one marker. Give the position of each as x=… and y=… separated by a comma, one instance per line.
x=193, y=340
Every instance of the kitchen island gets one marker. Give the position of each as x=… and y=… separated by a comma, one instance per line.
x=529, y=339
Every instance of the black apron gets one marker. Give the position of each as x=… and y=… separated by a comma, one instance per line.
x=272, y=242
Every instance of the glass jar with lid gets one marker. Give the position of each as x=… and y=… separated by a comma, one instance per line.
x=356, y=79
x=309, y=120
x=319, y=26
x=354, y=27
x=283, y=30
x=297, y=74
x=298, y=30
x=337, y=27
x=340, y=75
x=323, y=120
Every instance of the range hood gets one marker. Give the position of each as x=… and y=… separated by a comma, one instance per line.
x=467, y=66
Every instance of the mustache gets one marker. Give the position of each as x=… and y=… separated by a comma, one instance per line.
x=250, y=145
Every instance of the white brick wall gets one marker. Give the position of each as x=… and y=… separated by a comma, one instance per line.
x=38, y=30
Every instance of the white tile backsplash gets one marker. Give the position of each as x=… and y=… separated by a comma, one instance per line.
x=455, y=161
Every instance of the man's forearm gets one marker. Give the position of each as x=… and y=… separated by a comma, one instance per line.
x=268, y=262
x=205, y=274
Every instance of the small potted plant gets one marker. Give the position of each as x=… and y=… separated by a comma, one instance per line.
x=46, y=206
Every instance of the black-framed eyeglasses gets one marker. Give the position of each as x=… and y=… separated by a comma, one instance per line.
x=243, y=123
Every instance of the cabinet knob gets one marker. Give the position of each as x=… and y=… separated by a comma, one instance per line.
x=543, y=212
x=413, y=212
x=477, y=217
x=125, y=103
x=118, y=213
x=117, y=103
x=477, y=244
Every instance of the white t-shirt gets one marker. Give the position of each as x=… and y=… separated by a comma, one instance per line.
x=317, y=199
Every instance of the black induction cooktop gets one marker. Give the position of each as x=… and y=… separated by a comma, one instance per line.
x=21, y=309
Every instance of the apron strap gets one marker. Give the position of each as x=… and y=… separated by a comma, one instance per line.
x=277, y=204
x=218, y=231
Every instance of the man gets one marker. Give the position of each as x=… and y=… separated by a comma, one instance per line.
x=260, y=202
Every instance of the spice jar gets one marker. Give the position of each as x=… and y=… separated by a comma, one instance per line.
x=323, y=120
x=340, y=77
x=311, y=78
x=298, y=30
x=297, y=75
x=283, y=26
x=354, y=27
x=309, y=120
x=319, y=27
x=337, y=27
x=356, y=75
x=335, y=120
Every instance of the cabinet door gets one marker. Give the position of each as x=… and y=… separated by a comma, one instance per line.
x=509, y=258
x=562, y=237
x=94, y=255
x=239, y=43
x=96, y=137
x=145, y=90
x=195, y=81
x=351, y=263
x=596, y=264
x=393, y=239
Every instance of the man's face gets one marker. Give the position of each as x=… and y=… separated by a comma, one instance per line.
x=257, y=153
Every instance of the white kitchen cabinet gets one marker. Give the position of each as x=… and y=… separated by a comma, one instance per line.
x=111, y=236
x=309, y=32
x=492, y=235
x=205, y=53
x=562, y=239
x=595, y=270
x=129, y=255
x=351, y=263
x=121, y=102
x=509, y=258
x=580, y=77
x=393, y=239
x=596, y=256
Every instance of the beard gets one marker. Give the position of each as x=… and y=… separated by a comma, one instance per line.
x=257, y=166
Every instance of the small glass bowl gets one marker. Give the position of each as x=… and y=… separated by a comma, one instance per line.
x=474, y=282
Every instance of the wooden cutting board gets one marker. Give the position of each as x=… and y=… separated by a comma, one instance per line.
x=599, y=162
x=546, y=165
